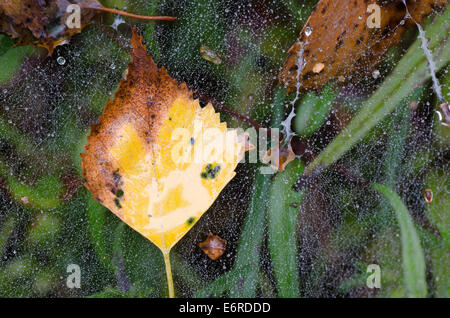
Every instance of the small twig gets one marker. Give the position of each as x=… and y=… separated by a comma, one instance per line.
x=131, y=15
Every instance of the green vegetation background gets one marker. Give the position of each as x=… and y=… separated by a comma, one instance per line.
x=281, y=243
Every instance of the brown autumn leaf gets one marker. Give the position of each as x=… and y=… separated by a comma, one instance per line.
x=214, y=246
x=337, y=36
x=43, y=22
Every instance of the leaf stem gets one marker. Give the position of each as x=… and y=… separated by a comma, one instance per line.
x=131, y=15
x=166, y=255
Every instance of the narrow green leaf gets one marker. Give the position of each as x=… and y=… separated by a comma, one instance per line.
x=282, y=219
x=313, y=110
x=252, y=236
x=278, y=107
x=413, y=257
x=394, y=152
x=438, y=211
x=11, y=61
x=96, y=218
x=217, y=287
x=437, y=254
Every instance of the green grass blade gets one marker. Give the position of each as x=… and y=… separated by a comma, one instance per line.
x=413, y=258
x=436, y=254
x=437, y=211
x=410, y=73
x=217, y=287
x=282, y=220
x=252, y=236
x=313, y=111
x=394, y=152
x=398, y=135
x=96, y=218
x=248, y=261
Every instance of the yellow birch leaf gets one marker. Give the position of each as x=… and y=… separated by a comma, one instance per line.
x=157, y=159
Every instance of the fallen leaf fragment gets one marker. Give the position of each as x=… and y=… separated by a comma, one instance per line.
x=41, y=23
x=210, y=55
x=285, y=155
x=337, y=34
x=428, y=194
x=214, y=246
x=45, y=22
